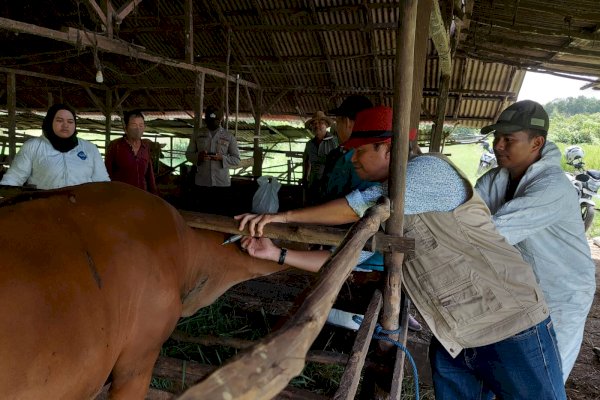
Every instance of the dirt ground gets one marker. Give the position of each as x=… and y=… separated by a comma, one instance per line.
x=584, y=381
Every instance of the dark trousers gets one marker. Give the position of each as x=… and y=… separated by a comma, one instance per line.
x=211, y=199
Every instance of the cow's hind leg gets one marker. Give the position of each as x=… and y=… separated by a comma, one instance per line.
x=131, y=377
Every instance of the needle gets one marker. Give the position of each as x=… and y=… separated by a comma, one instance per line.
x=232, y=239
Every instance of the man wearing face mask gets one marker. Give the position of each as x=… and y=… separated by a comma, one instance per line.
x=213, y=151
x=128, y=158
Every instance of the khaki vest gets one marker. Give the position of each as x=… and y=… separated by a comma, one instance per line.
x=471, y=286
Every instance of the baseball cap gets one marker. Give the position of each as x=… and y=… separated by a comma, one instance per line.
x=351, y=106
x=525, y=114
x=372, y=125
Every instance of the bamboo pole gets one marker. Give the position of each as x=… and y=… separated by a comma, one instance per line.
x=11, y=103
x=403, y=87
x=300, y=233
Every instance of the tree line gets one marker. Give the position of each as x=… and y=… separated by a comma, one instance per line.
x=574, y=120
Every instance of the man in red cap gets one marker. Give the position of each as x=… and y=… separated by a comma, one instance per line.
x=491, y=326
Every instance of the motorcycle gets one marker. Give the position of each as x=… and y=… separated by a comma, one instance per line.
x=586, y=182
x=487, y=159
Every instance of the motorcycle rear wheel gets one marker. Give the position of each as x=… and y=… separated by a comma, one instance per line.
x=587, y=214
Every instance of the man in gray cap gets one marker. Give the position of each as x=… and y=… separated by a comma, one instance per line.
x=536, y=209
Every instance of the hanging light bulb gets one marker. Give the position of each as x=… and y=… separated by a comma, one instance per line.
x=99, y=76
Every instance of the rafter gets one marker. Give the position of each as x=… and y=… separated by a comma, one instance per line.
x=322, y=44
x=376, y=73
x=214, y=5
x=78, y=37
x=125, y=10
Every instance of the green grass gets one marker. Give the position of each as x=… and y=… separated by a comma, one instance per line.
x=466, y=157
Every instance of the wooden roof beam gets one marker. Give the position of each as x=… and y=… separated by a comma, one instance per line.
x=125, y=10
x=376, y=73
x=272, y=42
x=527, y=29
x=322, y=44
x=176, y=27
x=506, y=55
x=98, y=11
x=51, y=78
x=78, y=37
x=526, y=45
x=214, y=5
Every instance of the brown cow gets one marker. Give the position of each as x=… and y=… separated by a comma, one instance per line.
x=93, y=279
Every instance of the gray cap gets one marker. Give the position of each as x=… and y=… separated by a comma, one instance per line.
x=522, y=115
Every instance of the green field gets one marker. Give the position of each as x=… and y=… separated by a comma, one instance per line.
x=466, y=157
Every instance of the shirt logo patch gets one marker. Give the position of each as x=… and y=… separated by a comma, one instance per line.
x=82, y=155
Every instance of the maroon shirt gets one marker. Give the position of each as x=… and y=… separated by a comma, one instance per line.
x=125, y=166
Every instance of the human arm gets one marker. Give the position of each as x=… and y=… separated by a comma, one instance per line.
x=150, y=180
x=109, y=158
x=232, y=157
x=99, y=173
x=21, y=167
x=191, y=153
x=335, y=212
x=309, y=260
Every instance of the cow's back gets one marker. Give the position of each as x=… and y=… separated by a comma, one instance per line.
x=85, y=272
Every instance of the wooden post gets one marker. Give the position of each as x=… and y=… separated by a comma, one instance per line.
x=438, y=127
x=188, y=8
x=257, y=153
x=262, y=371
x=421, y=39
x=237, y=101
x=198, y=102
x=403, y=87
x=11, y=104
x=226, y=108
x=108, y=115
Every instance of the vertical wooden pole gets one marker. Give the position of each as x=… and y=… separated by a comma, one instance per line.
x=438, y=127
x=11, y=104
x=109, y=19
x=237, y=101
x=421, y=40
x=198, y=101
x=403, y=87
x=257, y=152
x=188, y=8
x=108, y=115
x=226, y=108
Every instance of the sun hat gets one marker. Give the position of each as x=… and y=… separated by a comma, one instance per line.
x=318, y=116
x=351, y=106
x=525, y=114
x=374, y=125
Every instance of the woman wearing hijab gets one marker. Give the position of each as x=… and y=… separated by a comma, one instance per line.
x=58, y=158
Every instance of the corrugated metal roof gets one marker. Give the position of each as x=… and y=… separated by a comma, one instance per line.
x=305, y=54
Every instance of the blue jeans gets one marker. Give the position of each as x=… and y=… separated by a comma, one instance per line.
x=524, y=366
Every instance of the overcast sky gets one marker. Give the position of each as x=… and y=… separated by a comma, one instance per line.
x=544, y=88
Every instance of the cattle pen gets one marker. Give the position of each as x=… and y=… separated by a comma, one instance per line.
x=458, y=61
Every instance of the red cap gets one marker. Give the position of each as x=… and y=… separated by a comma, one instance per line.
x=373, y=125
